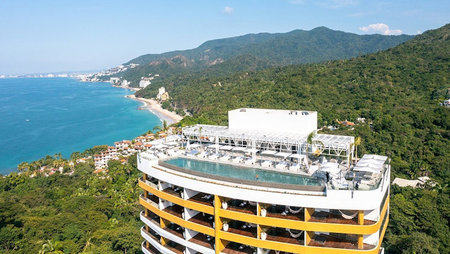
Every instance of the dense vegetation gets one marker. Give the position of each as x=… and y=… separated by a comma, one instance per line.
x=398, y=91
x=257, y=51
x=78, y=213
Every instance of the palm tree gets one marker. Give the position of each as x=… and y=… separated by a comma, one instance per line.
x=156, y=130
x=311, y=142
x=165, y=126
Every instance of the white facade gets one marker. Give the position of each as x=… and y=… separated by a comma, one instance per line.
x=144, y=83
x=273, y=121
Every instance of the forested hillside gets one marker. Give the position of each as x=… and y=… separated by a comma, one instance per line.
x=295, y=47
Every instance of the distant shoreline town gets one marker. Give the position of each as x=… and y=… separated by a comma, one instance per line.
x=107, y=76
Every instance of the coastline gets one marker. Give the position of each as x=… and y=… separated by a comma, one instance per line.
x=154, y=107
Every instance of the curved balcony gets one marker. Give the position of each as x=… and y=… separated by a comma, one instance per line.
x=311, y=225
x=172, y=235
x=175, y=198
x=175, y=219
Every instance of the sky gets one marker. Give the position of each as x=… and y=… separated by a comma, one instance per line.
x=80, y=35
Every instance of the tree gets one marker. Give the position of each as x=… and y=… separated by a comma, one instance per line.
x=23, y=166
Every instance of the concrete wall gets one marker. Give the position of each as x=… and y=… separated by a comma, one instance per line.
x=269, y=120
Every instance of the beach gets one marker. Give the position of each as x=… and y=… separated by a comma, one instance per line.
x=154, y=107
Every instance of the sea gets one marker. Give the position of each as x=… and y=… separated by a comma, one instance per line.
x=45, y=116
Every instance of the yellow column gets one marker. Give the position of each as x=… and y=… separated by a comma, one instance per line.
x=360, y=222
x=145, y=177
x=220, y=244
x=163, y=224
x=258, y=227
x=309, y=234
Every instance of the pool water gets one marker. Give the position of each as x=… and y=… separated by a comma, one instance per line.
x=243, y=173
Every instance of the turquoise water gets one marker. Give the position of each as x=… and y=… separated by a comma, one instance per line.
x=62, y=115
x=251, y=174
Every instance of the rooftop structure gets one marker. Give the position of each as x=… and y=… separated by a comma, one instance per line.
x=244, y=189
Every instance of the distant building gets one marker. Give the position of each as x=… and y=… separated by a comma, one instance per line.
x=418, y=183
x=144, y=83
x=162, y=94
x=446, y=103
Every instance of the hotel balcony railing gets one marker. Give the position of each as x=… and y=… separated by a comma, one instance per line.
x=203, y=219
x=154, y=199
x=176, y=235
x=151, y=235
x=202, y=198
x=203, y=240
x=150, y=201
x=322, y=226
x=283, y=236
x=177, y=219
x=241, y=206
x=334, y=217
x=150, y=250
x=329, y=241
x=237, y=248
x=241, y=228
x=191, y=203
x=282, y=212
x=175, y=210
x=154, y=244
x=175, y=247
x=173, y=191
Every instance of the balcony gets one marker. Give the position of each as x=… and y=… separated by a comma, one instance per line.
x=152, y=234
x=175, y=247
x=242, y=228
x=202, y=198
x=203, y=219
x=175, y=229
x=151, y=249
x=175, y=191
x=283, y=236
x=203, y=240
x=237, y=248
x=335, y=217
x=175, y=210
x=241, y=206
x=330, y=241
x=154, y=199
x=282, y=212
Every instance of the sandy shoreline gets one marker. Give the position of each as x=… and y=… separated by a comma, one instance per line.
x=154, y=107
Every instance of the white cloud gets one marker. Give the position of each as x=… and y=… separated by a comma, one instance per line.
x=419, y=32
x=228, y=10
x=380, y=28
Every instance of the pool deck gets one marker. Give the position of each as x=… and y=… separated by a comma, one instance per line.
x=242, y=181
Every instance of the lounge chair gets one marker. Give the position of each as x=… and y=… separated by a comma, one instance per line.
x=237, y=159
x=213, y=156
x=267, y=163
x=281, y=165
x=202, y=154
x=250, y=161
x=161, y=155
x=294, y=167
x=226, y=157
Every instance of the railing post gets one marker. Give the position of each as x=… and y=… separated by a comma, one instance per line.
x=360, y=222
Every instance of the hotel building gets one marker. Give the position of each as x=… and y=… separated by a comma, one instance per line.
x=266, y=183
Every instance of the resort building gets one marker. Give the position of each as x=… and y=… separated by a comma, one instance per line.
x=266, y=183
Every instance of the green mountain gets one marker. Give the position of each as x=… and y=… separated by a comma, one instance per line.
x=398, y=91
x=295, y=47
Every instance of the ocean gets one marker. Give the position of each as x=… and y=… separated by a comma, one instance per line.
x=44, y=116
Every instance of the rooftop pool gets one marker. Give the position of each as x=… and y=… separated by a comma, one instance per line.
x=243, y=174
